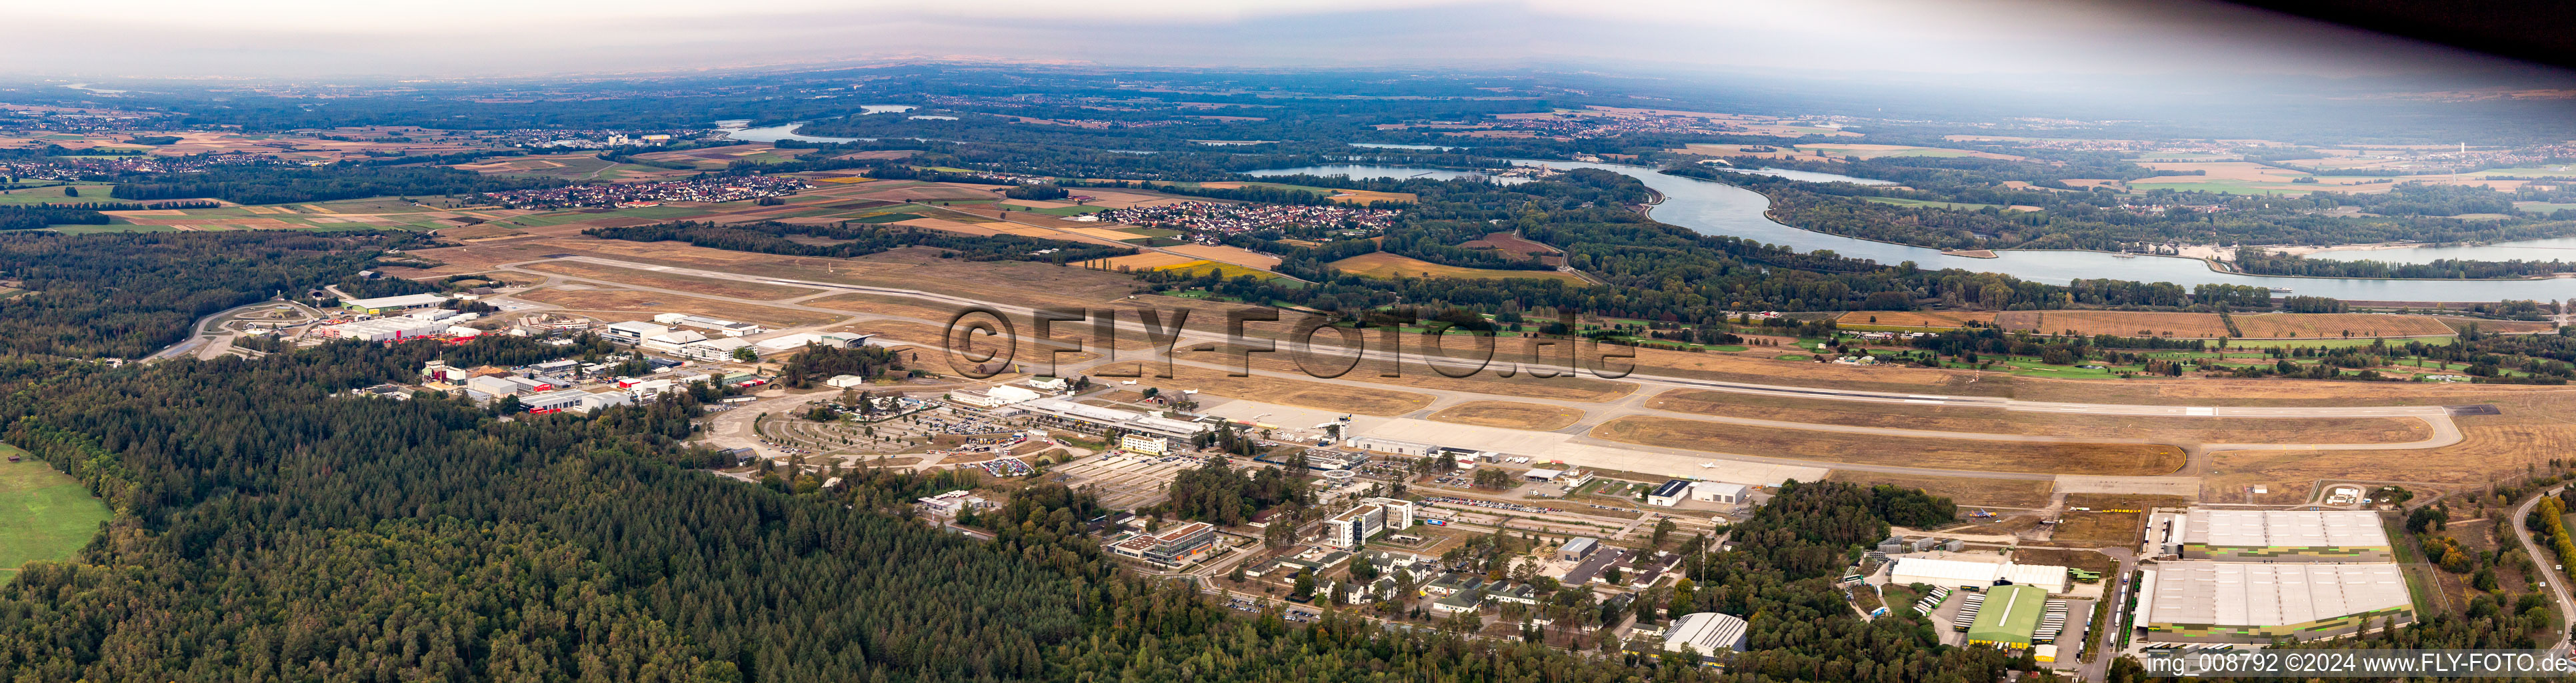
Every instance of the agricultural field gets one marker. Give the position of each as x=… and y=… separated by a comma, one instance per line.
x=2458, y=324
x=1974, y=420
x=1922, y=319
x=44, y=514
x=2122, y=323
x=716, y=158
x=2313, y=325
x=1390, y=266
x=1510, y=415
x=89, y=192
x=1970, y=491
x=1837, y=447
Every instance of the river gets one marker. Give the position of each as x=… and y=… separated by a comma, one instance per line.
x=1721, y=209
x=1364, y=171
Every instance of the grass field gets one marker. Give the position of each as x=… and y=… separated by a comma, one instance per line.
x=1923, y=319
x=644, y=305
x=2122, y=323
x=1510, y=415
x=1959, y=454
x=44, y=514
x=1970, y=491
x=1389, y=266
x=1972, y=420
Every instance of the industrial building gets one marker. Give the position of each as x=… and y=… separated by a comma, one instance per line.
x=670, y=342
x=2008, y=617
x=1721, y=492
x=1577, y=549
x=1706, y=633
x=727, y=328
x=2262, y=602
x=720, y=349
x=1172, y=548
x=388, y=304
x=1670, y=494
x=631, y=332
x=2272, y=535
x=384, y=329
x=1956, y=573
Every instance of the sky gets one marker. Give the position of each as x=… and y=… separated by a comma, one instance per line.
x=468, y=38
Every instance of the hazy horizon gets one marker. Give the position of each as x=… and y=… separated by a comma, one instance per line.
x=291, y=39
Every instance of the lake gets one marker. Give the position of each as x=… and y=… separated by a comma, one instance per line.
x=734, y=129
x=1721, y=209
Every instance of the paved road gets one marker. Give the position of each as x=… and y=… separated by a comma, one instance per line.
x=205, y=331
x=2539, y=558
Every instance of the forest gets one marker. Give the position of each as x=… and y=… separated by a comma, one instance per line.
x=2263, y=262
x=853, y=240
x=126, y=295
x=286, y=184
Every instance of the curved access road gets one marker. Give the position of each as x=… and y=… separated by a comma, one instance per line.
x=2557, y=579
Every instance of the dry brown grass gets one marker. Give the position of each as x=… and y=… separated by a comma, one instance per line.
x=2269, y=392
x=1929, y=319
x=1272, y=390
x=2315, y=325
x=1999, y=421
x=687, y=283
x=1971, y=491
x=1510, y=415
x=2080, y=559
x=2121, y=323
x=1955, y=454
x=2108, y=529
x=635, y=305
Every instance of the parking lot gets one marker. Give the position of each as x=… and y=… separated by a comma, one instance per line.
x=1126, y=481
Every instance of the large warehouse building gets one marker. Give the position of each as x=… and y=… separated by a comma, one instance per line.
x=1708, y=633
x=2274, y=535
x=2009, y=619
x=2260, y=602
